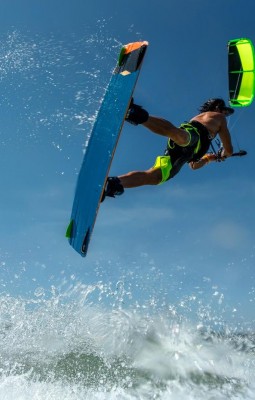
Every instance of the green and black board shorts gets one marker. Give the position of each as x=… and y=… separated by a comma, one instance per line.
x=176, y=156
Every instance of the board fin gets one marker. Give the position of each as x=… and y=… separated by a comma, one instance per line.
x=85, y=243
x=69, y=230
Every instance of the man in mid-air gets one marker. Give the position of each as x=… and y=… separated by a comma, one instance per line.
x=187, y=144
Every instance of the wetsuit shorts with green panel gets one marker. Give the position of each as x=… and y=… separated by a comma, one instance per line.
x=176, y=156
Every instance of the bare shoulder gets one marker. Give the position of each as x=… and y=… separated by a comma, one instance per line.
x=213, y=121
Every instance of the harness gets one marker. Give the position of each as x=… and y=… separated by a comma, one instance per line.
x=199, y=144
x=204, y=141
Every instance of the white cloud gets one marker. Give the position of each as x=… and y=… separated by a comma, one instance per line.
x=229, y=235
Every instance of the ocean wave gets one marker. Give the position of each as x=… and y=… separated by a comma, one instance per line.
x=77, y=349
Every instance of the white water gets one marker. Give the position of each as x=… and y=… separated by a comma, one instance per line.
x=52, y=348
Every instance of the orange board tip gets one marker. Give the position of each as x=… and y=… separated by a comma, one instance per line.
x=134, y=46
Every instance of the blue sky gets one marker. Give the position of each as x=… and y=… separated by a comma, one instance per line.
x=192, y=238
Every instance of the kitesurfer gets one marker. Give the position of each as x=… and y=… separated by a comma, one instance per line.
x=188, y=143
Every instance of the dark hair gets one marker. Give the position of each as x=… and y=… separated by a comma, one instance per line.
x=216, y=105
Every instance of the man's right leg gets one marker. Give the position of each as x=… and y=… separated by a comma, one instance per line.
x=165, y=128
x=136, y=115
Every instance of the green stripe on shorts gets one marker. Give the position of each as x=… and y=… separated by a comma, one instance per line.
x=164, y=163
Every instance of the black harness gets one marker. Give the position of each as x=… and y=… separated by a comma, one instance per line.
x=181, y=155
x=191, y=152
x=205, y=140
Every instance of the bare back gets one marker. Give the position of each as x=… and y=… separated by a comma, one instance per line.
x=216, y=123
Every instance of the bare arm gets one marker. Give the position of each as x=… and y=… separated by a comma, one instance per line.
x=206, y=159
x=225, y=137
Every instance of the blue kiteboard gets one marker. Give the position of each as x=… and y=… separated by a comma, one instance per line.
x=102, y=144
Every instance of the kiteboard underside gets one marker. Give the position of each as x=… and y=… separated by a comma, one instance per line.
x=102, y=144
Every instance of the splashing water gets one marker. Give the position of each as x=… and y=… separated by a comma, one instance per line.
x=50, y=82
x=60, y=345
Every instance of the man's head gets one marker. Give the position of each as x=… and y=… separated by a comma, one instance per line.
x=216, y=105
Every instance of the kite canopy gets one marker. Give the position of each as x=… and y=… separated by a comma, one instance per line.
x=241, y=72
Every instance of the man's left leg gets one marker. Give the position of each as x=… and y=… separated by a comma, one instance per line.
x=115, y=185
x=140, y=178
